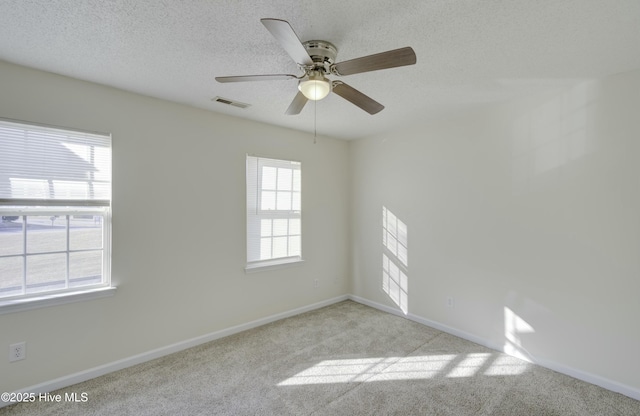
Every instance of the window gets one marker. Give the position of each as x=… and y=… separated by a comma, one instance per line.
x=55, y=198
x=274, y=230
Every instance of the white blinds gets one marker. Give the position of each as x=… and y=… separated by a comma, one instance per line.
x=51, y=166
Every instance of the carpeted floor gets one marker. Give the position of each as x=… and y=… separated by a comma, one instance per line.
x=345, y=359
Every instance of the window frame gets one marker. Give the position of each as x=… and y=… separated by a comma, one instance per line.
x=25, y=206
x=255, y=213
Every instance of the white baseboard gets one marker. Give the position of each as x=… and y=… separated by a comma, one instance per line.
x=81, y=376
x=94, y=372
x=560, y=368
x=424, y=321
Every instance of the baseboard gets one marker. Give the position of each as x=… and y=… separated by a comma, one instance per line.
x=560, y=368
x=81, y=376
x=590, y=378
x=94, y=372
x=424, y=321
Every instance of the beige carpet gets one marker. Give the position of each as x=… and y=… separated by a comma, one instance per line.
x=345, y=359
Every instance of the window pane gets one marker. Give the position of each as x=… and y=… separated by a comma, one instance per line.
x=10, y=236
x=284, y=201
x=71, y=190
x=102, y=164
x=46, y=233
x=85, y=268
x=46, y=272
x=269, y=178
x=284, y=179
x=280, y=227
x=265, y=228
x=85, y=232
x=26, y=188
x=294, y=226
x=11, y=273
x=268, y=201
x=295, y=203
x=101, y=190
x=44, y=162
x=280, y=247
x=265, y=248
x=297, y=180
x=294, y=245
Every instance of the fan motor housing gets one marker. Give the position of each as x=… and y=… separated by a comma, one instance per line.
x=322, y=53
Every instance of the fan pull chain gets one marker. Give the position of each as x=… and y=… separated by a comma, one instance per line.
x=315, y=116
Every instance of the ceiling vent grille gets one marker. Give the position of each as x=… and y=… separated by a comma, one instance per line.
x=230, y=102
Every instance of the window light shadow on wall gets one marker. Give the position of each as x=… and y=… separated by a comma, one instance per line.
x=514, y=327
x=554, y=134
x=395, y=259
x=422, y=367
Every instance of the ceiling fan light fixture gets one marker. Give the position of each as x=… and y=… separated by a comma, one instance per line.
x=315, y=86
x=317, y=59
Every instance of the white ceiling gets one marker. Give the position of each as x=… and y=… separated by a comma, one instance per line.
x=469, y=52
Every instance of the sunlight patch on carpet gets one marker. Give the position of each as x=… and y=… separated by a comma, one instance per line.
x=366, y=370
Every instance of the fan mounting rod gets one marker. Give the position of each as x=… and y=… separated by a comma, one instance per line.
x=322, y=53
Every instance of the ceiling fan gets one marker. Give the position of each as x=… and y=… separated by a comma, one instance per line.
x=317, y=59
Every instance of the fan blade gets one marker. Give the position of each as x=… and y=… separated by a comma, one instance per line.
x=284, y=34
x=383, y=60
x=356, y=97
x=297, y=104
x=244, y=78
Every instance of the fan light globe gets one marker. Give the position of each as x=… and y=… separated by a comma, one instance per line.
x=315, y=87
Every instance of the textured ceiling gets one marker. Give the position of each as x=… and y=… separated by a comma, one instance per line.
x=469, y=52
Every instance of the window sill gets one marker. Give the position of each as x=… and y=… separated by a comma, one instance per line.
x=273, y=264
x=18, y=305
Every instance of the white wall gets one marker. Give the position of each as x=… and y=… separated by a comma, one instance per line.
x=532, y=206
x=178, y=227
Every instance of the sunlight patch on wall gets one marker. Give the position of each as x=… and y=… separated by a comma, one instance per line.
x=395, y=259
x=514, y=326
x=395, y=283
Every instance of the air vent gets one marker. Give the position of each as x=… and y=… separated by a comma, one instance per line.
x=230, y=102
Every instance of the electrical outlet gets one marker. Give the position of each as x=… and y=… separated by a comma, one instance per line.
x=450, y=302
x=315, y=283
x=17, y=351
